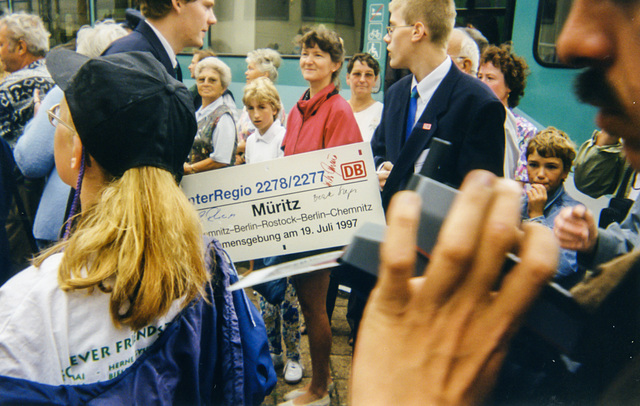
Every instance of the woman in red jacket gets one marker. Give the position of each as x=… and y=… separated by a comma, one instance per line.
x=321, y=119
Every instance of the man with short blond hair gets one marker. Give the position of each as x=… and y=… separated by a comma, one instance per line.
x=437, y=101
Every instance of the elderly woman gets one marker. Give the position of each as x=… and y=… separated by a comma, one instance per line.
x=262, y=62
x=215, y=144
x=320, y=119
x=506, y=74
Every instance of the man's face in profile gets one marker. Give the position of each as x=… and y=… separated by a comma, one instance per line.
x=604, y=35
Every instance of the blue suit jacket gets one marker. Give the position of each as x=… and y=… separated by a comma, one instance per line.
x=143, y=38
x=462, y=110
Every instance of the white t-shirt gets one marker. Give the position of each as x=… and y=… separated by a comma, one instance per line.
x=368, y=120
x=56, y=337
x=264, y=147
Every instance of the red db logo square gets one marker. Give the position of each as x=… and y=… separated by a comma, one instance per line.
x=353, y=170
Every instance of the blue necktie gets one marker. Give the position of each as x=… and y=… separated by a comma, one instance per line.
x=413, y=106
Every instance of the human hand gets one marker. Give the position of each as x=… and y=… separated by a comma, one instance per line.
x=240, y=148
x=576, y=229
x=188, y=169
x=441, y=338
x=36, y=101
x=537, y=196
x=383, y=173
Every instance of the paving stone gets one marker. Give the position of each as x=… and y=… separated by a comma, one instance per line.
x=340, y=362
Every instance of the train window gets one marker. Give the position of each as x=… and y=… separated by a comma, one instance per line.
x=61, y=18
x=337, y=11
x=494, y=18
x=114, y=9
x=551, y=17
x=272, y=10
x=245, y=25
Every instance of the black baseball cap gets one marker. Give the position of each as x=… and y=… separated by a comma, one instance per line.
x=127, y=110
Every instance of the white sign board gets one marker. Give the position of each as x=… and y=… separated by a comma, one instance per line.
x=294, y=204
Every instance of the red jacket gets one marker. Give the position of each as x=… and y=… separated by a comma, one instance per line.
x=324, y=121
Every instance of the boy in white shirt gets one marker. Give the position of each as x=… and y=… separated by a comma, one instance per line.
x=263, y=105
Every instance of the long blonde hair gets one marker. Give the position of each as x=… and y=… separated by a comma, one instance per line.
x=142, y=243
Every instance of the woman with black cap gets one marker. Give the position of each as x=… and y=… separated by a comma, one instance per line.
x=125, y=305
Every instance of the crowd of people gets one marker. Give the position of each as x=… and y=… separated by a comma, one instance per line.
x=125, y=300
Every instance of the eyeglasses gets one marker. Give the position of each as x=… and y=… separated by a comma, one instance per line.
x=54, y=117
x=392, y=28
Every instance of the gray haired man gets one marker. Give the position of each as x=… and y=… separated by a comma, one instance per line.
x=23, y=44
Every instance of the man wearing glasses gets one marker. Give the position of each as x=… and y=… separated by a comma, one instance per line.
x=437, y=100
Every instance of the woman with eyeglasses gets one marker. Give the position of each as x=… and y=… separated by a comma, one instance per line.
x=215, y=143
x=321, y=119
x=132, y=306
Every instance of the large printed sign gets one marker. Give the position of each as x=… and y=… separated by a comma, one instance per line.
x=287, y=205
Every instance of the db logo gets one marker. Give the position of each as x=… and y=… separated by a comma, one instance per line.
x=353, y=170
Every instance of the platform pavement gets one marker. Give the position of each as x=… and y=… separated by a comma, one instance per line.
x=340, y=362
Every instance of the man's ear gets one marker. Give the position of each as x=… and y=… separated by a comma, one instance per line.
x=177, y=5
x=466, y=65
x=419, y=30
x=21, y=47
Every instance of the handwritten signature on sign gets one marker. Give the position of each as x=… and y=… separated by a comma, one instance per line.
x=214, y=214
x=330, y=169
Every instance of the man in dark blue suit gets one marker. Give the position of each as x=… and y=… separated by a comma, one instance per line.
x=170, y=26
x=437, y=100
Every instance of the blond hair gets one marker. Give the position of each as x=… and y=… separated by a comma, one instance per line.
x=553, y=143
x=261, y=90
x=439, y=16
x=142, y=243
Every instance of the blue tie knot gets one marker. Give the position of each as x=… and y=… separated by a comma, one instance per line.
x=414, y=92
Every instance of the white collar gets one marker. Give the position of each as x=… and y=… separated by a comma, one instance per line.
x=270, y=134
x=429, y=84
x=205, y=111
x=165, y=44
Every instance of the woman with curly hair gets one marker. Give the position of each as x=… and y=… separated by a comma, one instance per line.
x=320, y=119
x=506, y=74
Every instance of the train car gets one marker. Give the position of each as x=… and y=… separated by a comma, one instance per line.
x=243, y=25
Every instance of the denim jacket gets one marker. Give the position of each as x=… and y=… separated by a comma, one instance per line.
x=567, y=265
